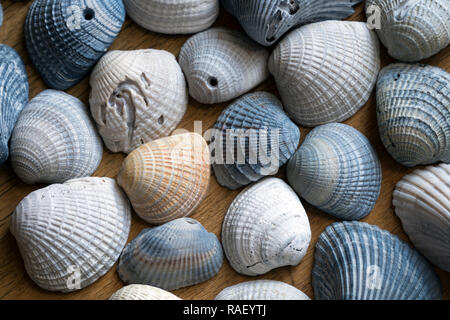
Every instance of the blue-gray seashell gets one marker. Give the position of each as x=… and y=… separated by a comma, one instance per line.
x=1, y=14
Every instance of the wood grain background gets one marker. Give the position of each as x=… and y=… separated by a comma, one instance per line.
x=14, y=281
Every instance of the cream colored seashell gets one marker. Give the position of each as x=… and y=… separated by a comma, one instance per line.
x=173, y=16
x=142, y=292
x=168, y=178
x=136, y=97
x=71, y=234
x=265, y=227
x=326, y=71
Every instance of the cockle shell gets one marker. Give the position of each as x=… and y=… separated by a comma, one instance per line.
x=66, y=38
x=326, y=71
x=173, y=16
x=136, y=97
x=177, y=254
x=413, y=110
x=71, y=234
x=412, y=30
x=142, y=292
x=422, y=201
x=265, y=21
x=222, y=64
x=167, y=178
x=359, y=261
x=265, y=227
x=265, y=140
x=55, y=140
x=13, y=95
x=337, y=170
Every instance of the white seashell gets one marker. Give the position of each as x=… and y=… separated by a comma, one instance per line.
x=142, y=292
x=137, y=96
x=265, y=227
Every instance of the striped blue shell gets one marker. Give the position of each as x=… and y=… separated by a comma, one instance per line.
x=177, y=254
x=274, y=139
x=359, y=261
x=13, y=95
x=66, y=38
x=337, y=170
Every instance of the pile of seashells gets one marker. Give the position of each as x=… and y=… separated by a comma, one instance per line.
x=325, y=70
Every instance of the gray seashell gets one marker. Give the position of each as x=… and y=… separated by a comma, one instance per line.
x=337, y=170
x=13, y=95
x=412, y=30
x=359, y=261
x=422, y=202
x=55, y=140
x=266, y=140
x=413, y=110
x=266, y=21
x=142, y=292
x=326, y=71
x=265, y=228
x=221, y=65
x=71, y=234
x=261, y=290
x=173, y=17
x=177, y=254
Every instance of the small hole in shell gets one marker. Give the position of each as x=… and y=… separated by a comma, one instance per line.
x=142, y=141
x=191, y=221
x=161, y=120
x=213, y=82
x=88, y=14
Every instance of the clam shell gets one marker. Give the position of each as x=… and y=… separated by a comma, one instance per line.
x=261, y=290
x=142, y=292
x=177, y=254
x=66, y=38
x=55, y=140
x=337, y=170
x=422, y=202
x=173, y=17
x=167, y=178
x=359, y=261
x=265, y=227
x=265, y=21
x=222, y=64
x=136, y=97
x=265, y=140
x=13, y=95
x=71, y=234
x=413, y=110
x=326, y=71
x=413, y=30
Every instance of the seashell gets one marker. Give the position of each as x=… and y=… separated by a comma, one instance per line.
x=1, y=14
x=71, y=234
x=422, y=202
x=142, y=292
x=337, y=170
x=265, y=140
x=177, y=254
x=173, y=17
x=330, y=78
x=413, y=110
x=167, y=178
x=265, y=228
x=221, y=65
x=65, y=39
x=136, y=97
x=13, y=95
x=55, y=140
x=412, y=30
x=266, y=21
x=359, y=261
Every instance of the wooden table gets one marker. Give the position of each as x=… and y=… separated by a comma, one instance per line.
x=14, y=281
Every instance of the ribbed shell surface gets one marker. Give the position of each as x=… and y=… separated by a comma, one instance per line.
x=177, y=254
x=71, y=234
x=136, y=97
x=326, y=71
x=337, y=170
x=358, y=261
x=142, y=292
x=66, y=38
x=55, y=140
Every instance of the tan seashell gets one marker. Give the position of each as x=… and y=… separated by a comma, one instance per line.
x=142, y=292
